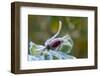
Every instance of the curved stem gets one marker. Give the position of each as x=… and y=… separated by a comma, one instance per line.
x=59, y=29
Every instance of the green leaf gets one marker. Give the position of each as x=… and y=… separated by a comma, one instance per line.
x=65, y=48
x=55, y=58
x=34, y=51
x=67, y=45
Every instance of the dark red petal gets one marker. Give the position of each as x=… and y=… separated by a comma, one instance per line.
x=55, y=44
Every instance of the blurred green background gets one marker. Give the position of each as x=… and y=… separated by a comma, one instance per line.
x=40, y=28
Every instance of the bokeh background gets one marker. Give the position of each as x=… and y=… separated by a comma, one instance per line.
x=40, y=28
